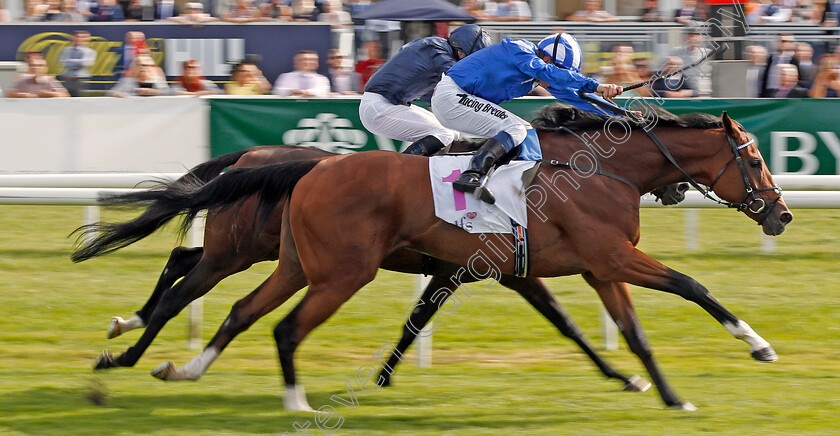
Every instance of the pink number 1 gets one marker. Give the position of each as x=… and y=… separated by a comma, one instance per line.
x=460, y=198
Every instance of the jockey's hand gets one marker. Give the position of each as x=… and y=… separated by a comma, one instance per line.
x=609, y=90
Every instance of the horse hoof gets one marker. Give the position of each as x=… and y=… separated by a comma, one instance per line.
x=114, y=328
x=637, y=384
x=105, y=361
x=688, y=407
x=164, y=371
x=766, y=354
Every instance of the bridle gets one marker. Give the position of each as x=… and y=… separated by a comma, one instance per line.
x=748, y=203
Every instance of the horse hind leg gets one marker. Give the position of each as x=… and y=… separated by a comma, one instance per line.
x=181, y=261
x=537, y=294
x=196, y=283
x=320, y=302
x=284, y=282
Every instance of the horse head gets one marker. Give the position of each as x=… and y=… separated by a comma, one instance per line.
x=745, y=181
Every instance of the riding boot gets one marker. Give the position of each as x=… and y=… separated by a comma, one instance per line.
x=425, y=146
x=481, y=163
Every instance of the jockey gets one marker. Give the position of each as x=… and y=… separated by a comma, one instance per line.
x=385, y=108
x=467, y=98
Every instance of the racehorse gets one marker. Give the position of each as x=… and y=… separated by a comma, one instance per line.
x=591, y=229
x=232, y=244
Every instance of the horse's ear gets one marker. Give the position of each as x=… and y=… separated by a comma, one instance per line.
x=728, y=124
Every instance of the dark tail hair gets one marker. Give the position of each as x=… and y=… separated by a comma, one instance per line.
x=271, y=183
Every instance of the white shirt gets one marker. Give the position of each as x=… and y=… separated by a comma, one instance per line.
x=316, y=84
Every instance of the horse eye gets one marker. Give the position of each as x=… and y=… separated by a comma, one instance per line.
x=755, y=163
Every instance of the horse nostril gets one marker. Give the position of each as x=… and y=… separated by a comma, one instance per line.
x=785, y=217
x=682, y=187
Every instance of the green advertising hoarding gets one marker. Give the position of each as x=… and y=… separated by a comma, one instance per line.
x=796, y=136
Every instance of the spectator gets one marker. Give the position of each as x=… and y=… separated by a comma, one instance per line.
x=622, y=71
x=805, y=12
x=789, y=83
x=108, y=12
x=701, y=75
x=35, y=83
x=5, y=17
x=53, y=13
x=651, y=13
x=304, y=10
x=803, y=59
x=673, y=87
x=593, y=12
x=144, y=82
x=193, y=13
x=474, y=8
x=243, y=12
x=247, y=79
x=303, y=81
x=165, y=9
x=86, y=8
x=72, y=12
x=342, y=81
x=367, y=67
x=827, y=81
x=689, y=13
x=135, y=43
x=77, y=62
x=276, y=10
x=333, y=13
x=785, y=48
x=135, y=10
x=34, y=10
x=775, y=12
x=512, y=10
x=192, y=82
x=757, y=55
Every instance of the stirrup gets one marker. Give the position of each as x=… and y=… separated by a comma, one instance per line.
x=483, y=193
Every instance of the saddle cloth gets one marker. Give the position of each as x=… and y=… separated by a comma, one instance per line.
x=471, y=214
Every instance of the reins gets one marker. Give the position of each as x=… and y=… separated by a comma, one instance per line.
x=749, y=202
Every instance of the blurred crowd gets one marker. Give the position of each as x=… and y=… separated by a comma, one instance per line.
x=786, y=69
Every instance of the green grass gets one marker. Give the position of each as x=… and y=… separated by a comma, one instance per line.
x=499, y=368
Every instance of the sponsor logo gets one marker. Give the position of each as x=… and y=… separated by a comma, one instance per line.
x=471, y=215
x=328, y=132
x=478, y=106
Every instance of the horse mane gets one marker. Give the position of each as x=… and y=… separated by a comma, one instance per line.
x=558, y=117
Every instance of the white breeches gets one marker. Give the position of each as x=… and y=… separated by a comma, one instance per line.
x=458, y=110
x=403, y=123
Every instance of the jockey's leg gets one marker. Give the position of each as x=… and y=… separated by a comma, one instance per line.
x=425, y=146
x=481, y=163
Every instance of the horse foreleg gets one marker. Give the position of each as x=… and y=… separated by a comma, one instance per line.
x=538, y=295
x=196, y=283
x=641, y=270
x=181, y=261
x=617, y=300
x=284, y=282
x=426, y=307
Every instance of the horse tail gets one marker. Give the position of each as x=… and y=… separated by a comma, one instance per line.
x=271, y=183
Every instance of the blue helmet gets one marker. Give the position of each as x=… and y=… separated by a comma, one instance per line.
x=564, y=50
x=469, y=38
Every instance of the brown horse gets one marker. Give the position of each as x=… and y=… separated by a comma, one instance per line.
x=591, y=229
x=232, y=244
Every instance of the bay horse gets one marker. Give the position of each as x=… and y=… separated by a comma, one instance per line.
x=591, y=230
x=232, y=244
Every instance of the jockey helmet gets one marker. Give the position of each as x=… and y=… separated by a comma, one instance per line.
x=563, y=49
x=469, y=38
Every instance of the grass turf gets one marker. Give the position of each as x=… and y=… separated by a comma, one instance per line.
x=499, y=368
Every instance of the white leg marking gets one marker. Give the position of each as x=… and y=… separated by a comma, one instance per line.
x=744, y=332
x=196, y=367
x=295, y=399
x=132, y=323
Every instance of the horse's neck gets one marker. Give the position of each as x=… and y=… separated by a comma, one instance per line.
x=638, y=159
